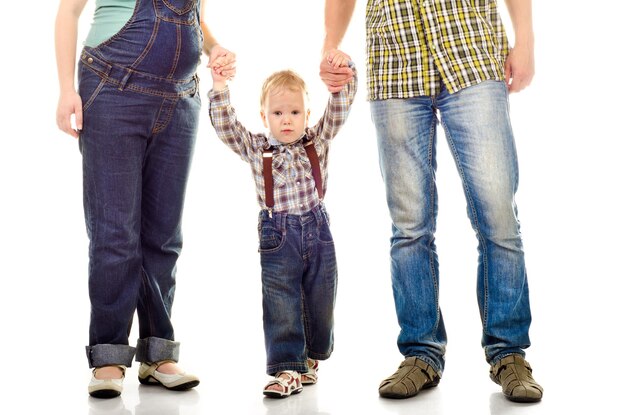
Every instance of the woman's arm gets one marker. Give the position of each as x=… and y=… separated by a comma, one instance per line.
x=65, y=36
x=221, y=60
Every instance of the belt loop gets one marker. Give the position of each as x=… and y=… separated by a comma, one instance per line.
x=125, y=79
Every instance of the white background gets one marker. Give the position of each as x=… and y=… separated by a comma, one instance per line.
x=570, y=144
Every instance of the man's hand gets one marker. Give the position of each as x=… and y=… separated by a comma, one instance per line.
x=519, y=68
x=334, y=70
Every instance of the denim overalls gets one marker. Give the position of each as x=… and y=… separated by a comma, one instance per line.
x=140, y=107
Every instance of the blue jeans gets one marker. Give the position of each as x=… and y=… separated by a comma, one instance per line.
x=141, y=108
x=476, y=124
x=299, y=278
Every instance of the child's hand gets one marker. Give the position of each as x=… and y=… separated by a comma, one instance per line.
x=222, y=64
x=332, y=73
x=337, y=58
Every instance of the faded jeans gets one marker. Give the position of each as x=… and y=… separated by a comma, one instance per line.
x=476, y=123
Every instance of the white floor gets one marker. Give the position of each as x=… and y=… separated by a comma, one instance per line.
x=345, y=387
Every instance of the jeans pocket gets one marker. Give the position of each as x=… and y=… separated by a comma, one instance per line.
x=176, y=11
x=324, y=235
x=89, y=85
x=270, y=238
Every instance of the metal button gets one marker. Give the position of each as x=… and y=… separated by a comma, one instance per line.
x=90, y=60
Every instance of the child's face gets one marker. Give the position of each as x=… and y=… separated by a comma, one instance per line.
x=285, y=114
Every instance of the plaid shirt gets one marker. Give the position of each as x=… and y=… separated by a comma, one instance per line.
x=294, y=186
x=415, y=45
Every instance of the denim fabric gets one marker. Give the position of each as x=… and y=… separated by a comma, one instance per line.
x=141, y=107
x=476, y=124
x=299, y=278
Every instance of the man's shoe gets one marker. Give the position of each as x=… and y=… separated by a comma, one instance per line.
x=106, y=388
x=412, y=376
x=514, y=374
x=149, y=375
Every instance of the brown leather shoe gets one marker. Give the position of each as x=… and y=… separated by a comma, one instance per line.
x=412, y=376
x=514, y=374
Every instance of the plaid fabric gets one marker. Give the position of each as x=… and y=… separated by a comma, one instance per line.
x=294, y=186
x=413, y=46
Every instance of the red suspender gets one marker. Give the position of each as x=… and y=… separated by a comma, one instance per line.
x=268, y=155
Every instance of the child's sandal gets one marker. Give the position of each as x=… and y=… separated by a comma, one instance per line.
x=310, y=377
x=289, y=385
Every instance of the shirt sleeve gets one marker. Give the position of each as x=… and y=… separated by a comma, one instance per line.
x=337, y=110
x=228, y=129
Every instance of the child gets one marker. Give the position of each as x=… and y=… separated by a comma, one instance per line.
x=299, y=272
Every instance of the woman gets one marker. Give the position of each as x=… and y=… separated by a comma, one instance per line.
x=136, y=114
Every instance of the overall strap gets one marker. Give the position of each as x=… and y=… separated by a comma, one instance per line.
x=268, y=178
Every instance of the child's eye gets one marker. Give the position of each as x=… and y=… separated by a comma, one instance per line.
x=278, y=113
x=296, y=112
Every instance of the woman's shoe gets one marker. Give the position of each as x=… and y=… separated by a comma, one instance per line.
x=310, y=377
x=289, y=382
x=106, y=388
x=149, y=375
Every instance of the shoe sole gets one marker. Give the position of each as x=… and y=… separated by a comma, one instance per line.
x=398, y=396
x=150, y=381
x=278, y=395
x=105, y=394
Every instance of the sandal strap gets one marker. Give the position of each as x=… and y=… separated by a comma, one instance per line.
x=283, y=382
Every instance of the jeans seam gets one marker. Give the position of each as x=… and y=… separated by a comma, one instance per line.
x=433, y=273
x=144, y=53
x=474, y=220
x=177, y=52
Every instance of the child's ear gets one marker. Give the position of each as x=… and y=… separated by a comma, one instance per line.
x=308, y=114
x=264, y=119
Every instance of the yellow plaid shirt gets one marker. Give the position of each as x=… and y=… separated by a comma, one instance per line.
x=413, y=46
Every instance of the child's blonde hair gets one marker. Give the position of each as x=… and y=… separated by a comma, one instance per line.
x=286, y=79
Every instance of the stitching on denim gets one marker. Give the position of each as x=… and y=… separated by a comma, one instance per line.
x=305, y=319
x=142, y=55
x=433, y=190
x=177, y=53
x=160, y=125
x=177, y=10
x=161, y=16
x=94, y=95
x=110, y=66
x=474, y=220
x=117, y=35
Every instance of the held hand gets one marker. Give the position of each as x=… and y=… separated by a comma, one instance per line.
x=222, y=62
x=334, y=70
x=519, y=68
x=70, y=103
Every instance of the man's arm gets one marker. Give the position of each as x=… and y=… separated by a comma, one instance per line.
x=519, y=67
x=337, y=15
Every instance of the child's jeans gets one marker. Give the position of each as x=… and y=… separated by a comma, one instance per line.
x=299, y=277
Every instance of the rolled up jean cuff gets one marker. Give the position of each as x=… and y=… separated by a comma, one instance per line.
x=155, y=349
x=110, y=354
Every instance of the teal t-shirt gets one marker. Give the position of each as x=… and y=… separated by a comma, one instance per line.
x=110, y=16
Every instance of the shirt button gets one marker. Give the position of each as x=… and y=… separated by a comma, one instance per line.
x=298, y=183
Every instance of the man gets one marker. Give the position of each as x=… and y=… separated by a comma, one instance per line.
x=448, y=59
